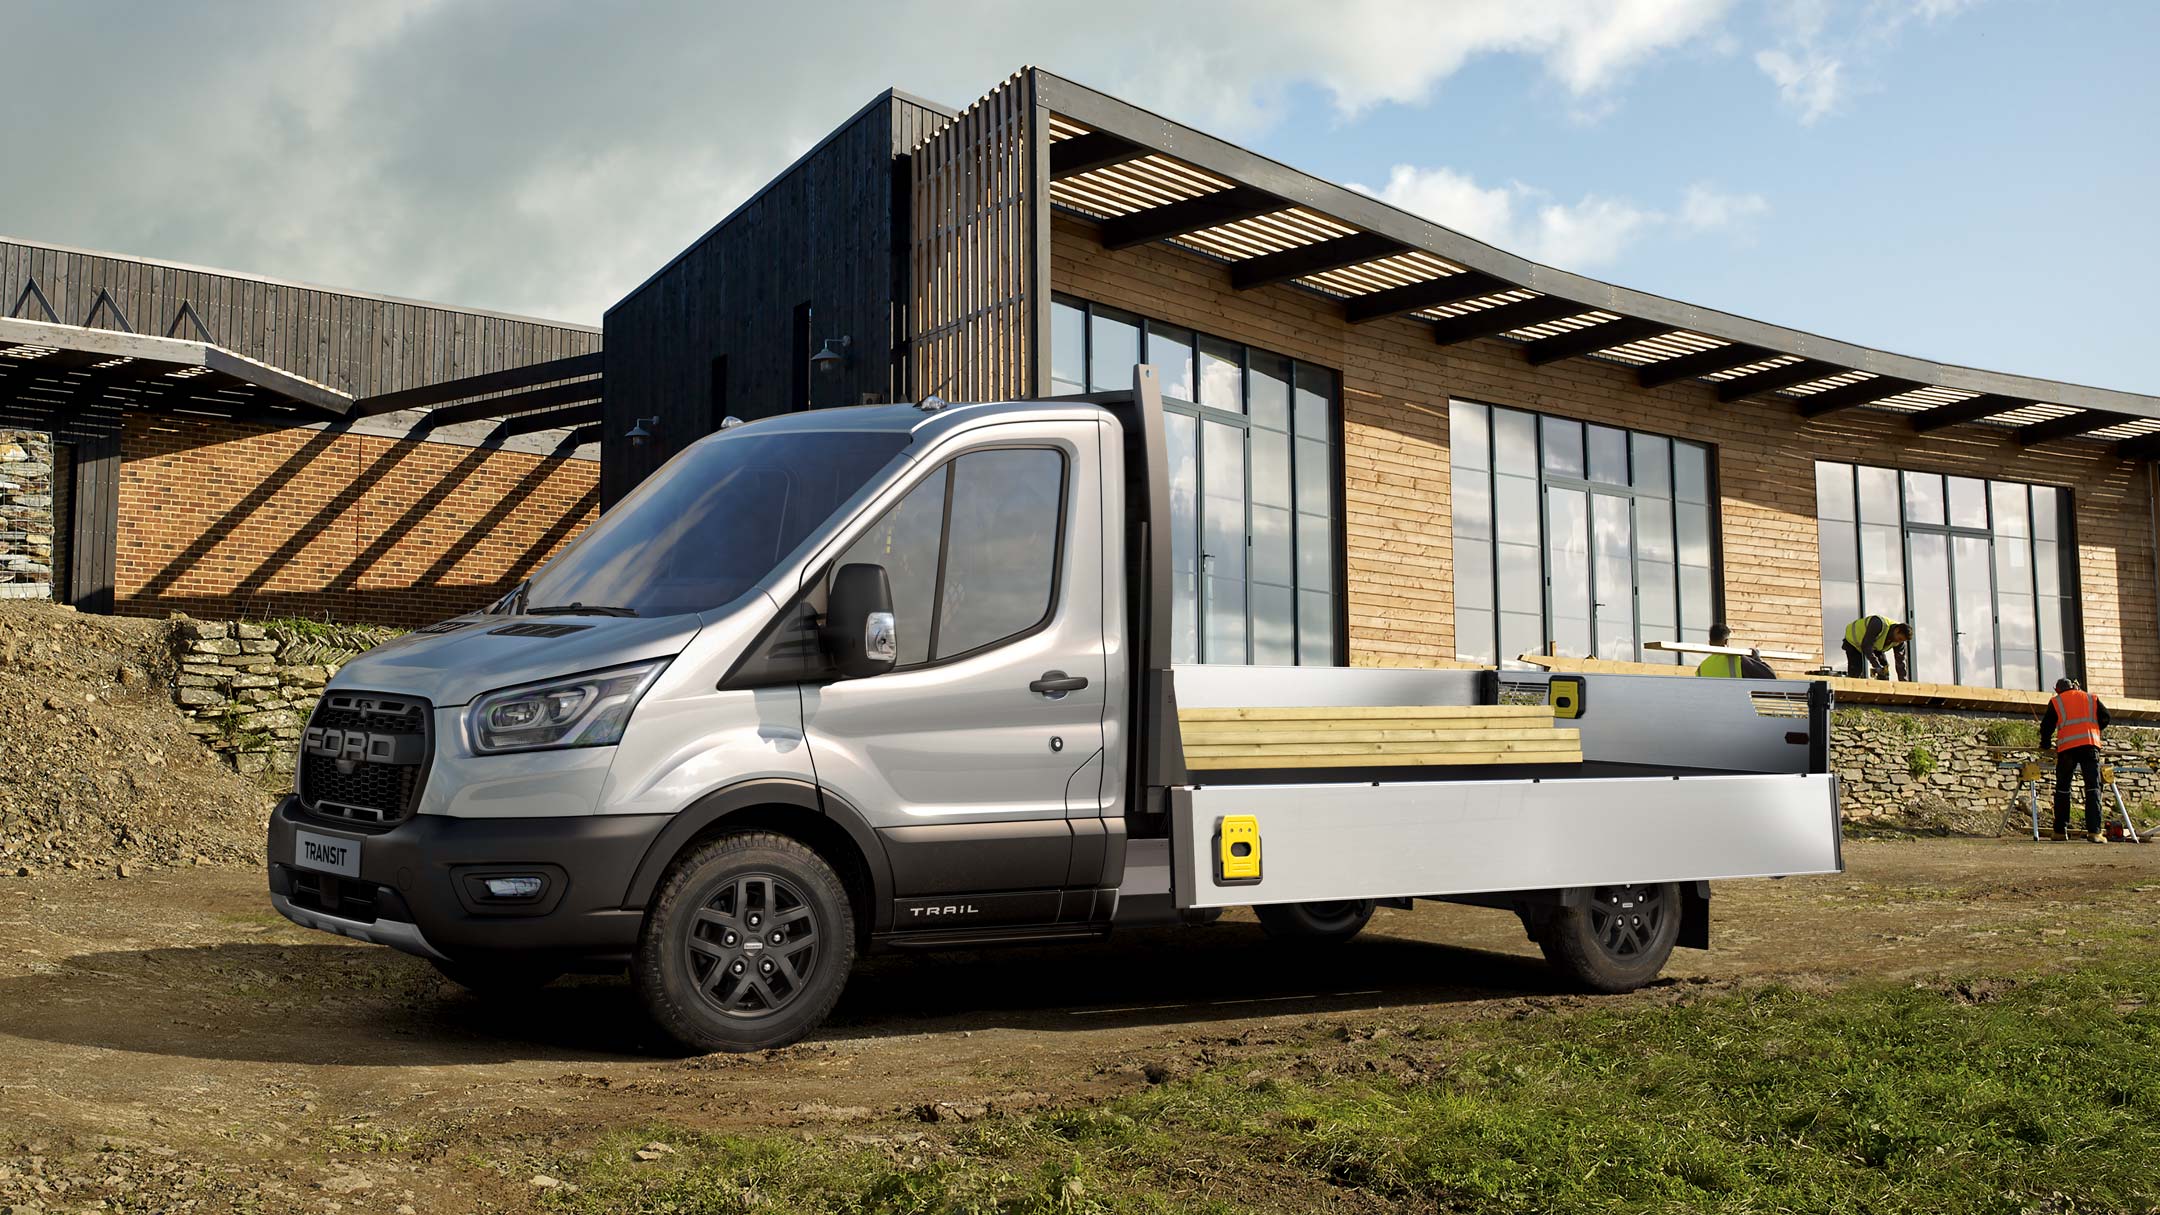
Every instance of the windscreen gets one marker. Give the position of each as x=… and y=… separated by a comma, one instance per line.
x=714, y=522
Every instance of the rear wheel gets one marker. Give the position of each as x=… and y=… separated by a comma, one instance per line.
x=1618, y=939
x=1316, y=923
x=499, y=978
x=747, y=945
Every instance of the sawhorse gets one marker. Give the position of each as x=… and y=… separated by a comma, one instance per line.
x=2028, y=793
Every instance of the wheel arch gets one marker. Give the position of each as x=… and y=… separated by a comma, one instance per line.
x=797, y=809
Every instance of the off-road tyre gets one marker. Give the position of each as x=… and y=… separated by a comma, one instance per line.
x=1315, y=923
x=498, y=978
x=707, y=966
x=1617, y=940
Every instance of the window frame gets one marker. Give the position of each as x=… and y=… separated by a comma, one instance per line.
x=1337, y=588
x=822, y=580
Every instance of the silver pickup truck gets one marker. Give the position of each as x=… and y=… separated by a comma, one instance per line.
x=898, y=676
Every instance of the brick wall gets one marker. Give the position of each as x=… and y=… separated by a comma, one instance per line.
x=225, y=519
x=1396, y=386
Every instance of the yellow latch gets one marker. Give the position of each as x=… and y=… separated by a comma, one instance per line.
x=1237, y=840
x=1565, y=696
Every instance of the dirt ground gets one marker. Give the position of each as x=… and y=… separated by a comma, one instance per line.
x=166, y=1043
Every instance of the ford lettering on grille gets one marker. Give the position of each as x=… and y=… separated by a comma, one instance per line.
x=360, y=746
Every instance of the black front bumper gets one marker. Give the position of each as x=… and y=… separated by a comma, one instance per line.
x=416, y=890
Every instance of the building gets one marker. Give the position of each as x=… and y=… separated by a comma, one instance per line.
x=1396, y=444
x=173, y=438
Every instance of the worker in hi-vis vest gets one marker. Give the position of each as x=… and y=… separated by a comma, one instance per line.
x=2072, y=724
x=1732, y=666
x=1868, y=639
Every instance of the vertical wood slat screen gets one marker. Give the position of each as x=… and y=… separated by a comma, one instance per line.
x=972, y=257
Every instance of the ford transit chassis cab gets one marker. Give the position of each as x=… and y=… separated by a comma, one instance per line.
x=899, y=676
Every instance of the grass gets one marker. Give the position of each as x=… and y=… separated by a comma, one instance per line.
x=1919, y=761
x=2039, y=1094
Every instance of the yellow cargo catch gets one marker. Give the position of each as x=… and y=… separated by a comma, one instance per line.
x=1238, y=845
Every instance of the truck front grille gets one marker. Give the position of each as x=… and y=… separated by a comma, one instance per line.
x=363, y=756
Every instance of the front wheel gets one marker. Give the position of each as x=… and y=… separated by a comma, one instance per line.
x=1617, y=940
x=1315, y=923
x=747, y=945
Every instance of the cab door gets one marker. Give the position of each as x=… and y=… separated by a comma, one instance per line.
x=962, y=755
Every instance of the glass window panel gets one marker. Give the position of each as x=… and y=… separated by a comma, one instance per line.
x=1474, y=575
x=2013, y=567
x=1522, y=579
x=1885, y=599
x=1469, y=435
x=1472, y=507
x=1840, y=606
x=1515, y=442
x=1608, y=455
x=1222, y=510
x=1880, y=557
x=2010, y=508
x=1274, y=626
x=1653, y=464
x=1968, y=502
x=1316, y=629
x=2016, y=634
x=1223, y=603
x=1271, y=545
x=1694, y=533
x=1315, y=413
x=1691, y=472
x=1657, y=597
x=1833, y=491
x=1271, y=467
x=1520, y=633
x=1840, y=555
x=2047, y=567
x=1695, y=603
x=1170, y=349
x=1001, y=550
x=1923, y=499
x=905, y=542
x=1268, y=391
x=1114, y=346
x=2047, y=512
x=1315, y=480
x=1654, y=529
x=1315, y=553
x=1181, y=440
x=1068, y=347
x=2051, y=619
x=1613, y=552
x=1933, y=644
x=1974, y=592
x=1568, y=564
x=1474, y=635
x=1222, y=375
x=1563, y=444
x=1515, y=509
x=1878, y=495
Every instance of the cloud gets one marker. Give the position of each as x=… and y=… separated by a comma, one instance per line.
x=1592, y=232
x=1810, y=82
x=544, y=156
x=1821, y=49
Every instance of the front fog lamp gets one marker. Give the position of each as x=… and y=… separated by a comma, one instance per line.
x=514, y=887
x=581, y=711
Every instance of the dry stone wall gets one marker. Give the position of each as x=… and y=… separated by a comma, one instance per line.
x=26, y=514
x=1933, y=771
x=248, y=687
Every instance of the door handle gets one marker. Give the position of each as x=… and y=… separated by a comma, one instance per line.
x=1054, y=684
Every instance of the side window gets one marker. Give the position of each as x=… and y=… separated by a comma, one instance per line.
x=905, y=542
x=1001, y=547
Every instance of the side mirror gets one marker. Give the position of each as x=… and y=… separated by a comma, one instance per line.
x=859, y=631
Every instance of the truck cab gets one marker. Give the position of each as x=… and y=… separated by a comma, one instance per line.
x=897, y=676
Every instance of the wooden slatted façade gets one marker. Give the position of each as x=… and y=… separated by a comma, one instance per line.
x=1375, y=736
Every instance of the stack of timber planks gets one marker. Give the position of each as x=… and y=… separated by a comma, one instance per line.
x=1375, y=736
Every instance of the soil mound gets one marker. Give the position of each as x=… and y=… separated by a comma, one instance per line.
x=97, y=768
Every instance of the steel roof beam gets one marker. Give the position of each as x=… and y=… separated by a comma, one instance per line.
x=2068, y=426
x=1505, y=318
x=1802, y=372
x=1590, y=339
x=1701, y=363
x=1089, y=152
x=529, y=423
x=1433, y=293
x=1851, y=396
x=1317, y=258
x=2143, y=447
x=475, y=385
x=1188, y=215
x=520, y=402
x=1973, y=409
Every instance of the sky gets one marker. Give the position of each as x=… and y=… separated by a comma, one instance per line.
x=1963, y=180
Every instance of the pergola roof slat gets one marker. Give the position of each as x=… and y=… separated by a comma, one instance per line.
x=1851, y=396
x=1188, y=215
x=1591, y=339
x=1429, y=294
x=2068, y=427
x=1771, y=379
x=1504, y=318
x=1317, y=258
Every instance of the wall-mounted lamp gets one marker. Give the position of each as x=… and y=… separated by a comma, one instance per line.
x=828, y=359
x=641, y=433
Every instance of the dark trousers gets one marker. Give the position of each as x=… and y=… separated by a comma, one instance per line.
x=2075, y=760
x=1857, y=663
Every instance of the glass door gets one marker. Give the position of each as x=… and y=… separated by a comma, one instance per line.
x=1974, y=590
x=1567, y=570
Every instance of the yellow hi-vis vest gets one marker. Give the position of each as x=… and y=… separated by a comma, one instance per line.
x=1720, y=666
x=1856, y=633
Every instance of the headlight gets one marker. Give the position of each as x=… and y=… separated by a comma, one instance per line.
x=580, y=711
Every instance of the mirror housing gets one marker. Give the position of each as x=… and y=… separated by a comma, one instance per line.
x=859, y=631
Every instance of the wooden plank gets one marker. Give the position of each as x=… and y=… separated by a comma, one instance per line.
x=1361, y=731
x=1424, y=760
x=1383, y=741
x=1338, y=712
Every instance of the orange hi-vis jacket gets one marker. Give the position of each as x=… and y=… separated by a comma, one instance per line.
x=2077, y=725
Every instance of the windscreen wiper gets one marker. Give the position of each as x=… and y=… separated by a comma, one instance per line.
x=579, y=609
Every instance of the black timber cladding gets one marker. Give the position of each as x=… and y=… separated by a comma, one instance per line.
x=828, y=232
